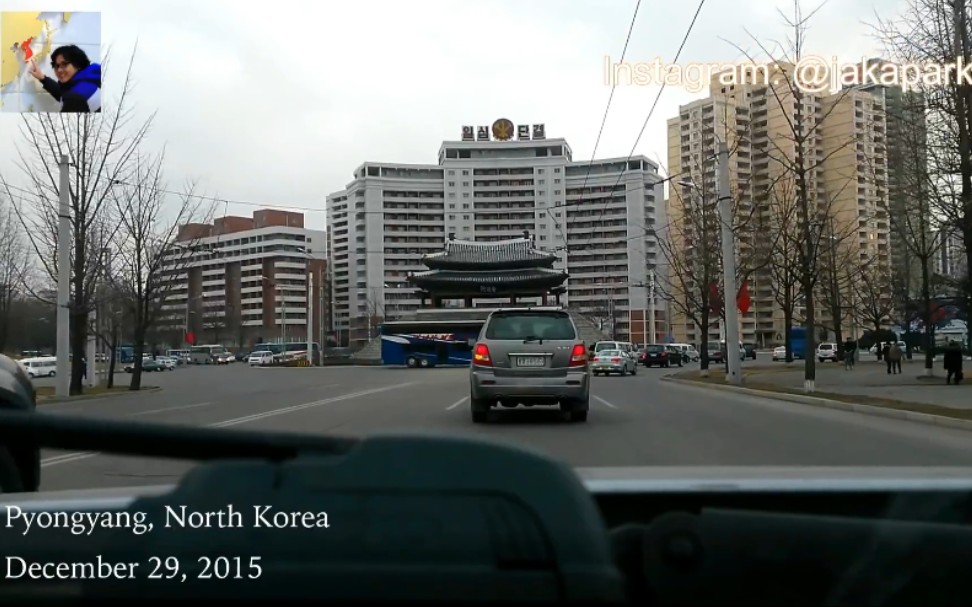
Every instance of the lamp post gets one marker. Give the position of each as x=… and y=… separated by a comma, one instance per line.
x=651, y=303
x=276, y=292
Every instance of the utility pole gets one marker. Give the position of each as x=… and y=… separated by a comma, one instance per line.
x=651, y=303
x=62, y=387
x=310, y=318
x=734, y=365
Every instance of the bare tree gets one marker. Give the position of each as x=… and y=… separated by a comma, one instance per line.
x=937, y=32
x=839, y=273
x=148, y=243
x=781, y=223
x=873, y=290
x=100, y=148
x=691, y=241
x=13, y=268
x=794, y=154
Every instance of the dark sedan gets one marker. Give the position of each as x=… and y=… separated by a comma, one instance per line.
x=657, y=354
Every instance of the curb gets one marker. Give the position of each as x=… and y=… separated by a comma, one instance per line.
x=921, y=418
x=51, y=400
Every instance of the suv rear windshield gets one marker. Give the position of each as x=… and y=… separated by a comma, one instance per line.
x=530, y=325
x=654, y=348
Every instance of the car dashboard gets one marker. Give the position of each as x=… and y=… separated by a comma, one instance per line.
x=426, y=518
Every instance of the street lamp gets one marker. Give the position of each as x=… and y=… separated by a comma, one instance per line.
x=283, y=318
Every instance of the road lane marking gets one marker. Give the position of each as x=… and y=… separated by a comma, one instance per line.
x=66, y=458
x=73, y=457
x=166, y=409
x=601, y=400
x=457, y=403
x=316, y=403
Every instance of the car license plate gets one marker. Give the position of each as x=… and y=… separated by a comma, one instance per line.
x=530, y=361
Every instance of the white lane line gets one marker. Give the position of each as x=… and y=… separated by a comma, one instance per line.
x=73, y=457
x=66, y=458
x=316, y=403
x=601, y=400
x=167, y=409
x=457, y=403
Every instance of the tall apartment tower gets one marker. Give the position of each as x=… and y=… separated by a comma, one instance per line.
x=756, y=122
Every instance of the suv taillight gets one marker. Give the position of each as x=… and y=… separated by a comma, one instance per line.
x=481, y=355
x=578, y=356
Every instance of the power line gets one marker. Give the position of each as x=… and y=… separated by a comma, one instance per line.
x=215, y=199
x=652, y=110
x=607, y=109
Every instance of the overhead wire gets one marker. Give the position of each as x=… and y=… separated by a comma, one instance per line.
x=644, y=125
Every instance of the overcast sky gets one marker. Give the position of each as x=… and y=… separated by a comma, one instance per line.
x=280, y=104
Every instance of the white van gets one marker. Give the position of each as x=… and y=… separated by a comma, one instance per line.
x=44, y=366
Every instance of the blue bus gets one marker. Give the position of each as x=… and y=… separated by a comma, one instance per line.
x=429, y=343
x=798, y=341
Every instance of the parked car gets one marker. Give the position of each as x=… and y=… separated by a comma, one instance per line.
x=779, y=353
x=260, y=358
x=149, y=365
x=750, y=349
x=827, y=351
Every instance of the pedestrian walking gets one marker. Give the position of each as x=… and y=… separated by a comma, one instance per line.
x=850, y=353
x=894, y=358
x=885, y=354
x=953, y=363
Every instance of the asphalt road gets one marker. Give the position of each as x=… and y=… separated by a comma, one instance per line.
x=637, y=420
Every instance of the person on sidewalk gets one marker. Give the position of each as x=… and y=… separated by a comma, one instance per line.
x=850, y=352
x=885, y=354
x=894, y=358
x=953, y=363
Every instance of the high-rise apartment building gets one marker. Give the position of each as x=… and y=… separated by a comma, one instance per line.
x=493, y=184
x=846, y=186
x=247, y=281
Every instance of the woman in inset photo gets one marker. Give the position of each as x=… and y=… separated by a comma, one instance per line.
x=78, y=84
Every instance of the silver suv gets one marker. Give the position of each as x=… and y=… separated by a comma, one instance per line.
x=530, y=356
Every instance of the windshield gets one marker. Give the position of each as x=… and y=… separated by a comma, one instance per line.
x=314, y=208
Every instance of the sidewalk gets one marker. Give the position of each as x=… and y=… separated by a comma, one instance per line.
x=870, y=378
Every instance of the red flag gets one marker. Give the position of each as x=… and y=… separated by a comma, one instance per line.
x=191, y=338
x=742, y=299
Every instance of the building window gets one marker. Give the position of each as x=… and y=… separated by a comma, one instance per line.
x=556, y=169
x=465, y=194
x=452, y=184
x=464, y=171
